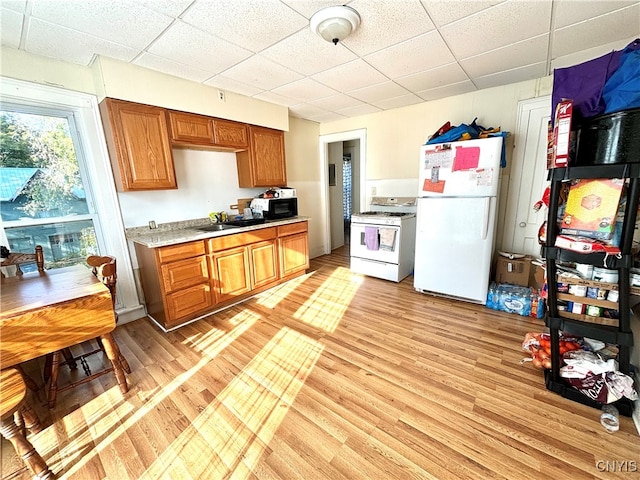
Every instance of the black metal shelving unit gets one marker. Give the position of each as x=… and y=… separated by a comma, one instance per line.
x=620, y=335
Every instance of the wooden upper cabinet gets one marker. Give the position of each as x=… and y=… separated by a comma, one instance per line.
x=193, y=130
x=263, y=165
x=189, y=129
x=227, y=133
x=138, y=141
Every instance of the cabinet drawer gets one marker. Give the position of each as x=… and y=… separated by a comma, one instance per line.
x=181, y=251
x=188, y=302
x=292, y=228
x=230, y=241
x=184, y=273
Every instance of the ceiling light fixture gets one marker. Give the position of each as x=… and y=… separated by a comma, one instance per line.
x=334, y=24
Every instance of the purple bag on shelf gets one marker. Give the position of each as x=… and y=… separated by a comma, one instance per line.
x=583, y=83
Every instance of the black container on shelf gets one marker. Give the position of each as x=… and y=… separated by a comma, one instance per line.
x=609, y=139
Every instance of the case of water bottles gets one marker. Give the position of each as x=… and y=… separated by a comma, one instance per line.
x=525, y=301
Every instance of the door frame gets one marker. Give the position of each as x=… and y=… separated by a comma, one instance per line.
x=324, y=141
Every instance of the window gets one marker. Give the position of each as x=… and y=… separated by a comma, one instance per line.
x=44, y=199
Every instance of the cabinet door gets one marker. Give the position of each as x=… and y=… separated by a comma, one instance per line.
x=230, y=134
x=264, y=263
x=232, y=275
x=184, y=273
x=138, y=138
x=294, y=254
x=191, y=129
x=263, y=165
x=188, y=303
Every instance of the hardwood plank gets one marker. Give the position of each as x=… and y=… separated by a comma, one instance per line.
x=330, y=376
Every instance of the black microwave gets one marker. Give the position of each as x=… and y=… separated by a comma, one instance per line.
x=275, y=208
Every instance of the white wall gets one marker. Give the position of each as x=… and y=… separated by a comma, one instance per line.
x=207, y=182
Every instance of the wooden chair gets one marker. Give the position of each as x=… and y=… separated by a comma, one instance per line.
x=17, y=259
x=13, y=405
x=105, y=269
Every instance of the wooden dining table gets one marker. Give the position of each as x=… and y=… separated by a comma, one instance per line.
x=45, y=312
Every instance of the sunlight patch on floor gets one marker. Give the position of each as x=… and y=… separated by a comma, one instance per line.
x=326, y=306
x=120, y=415
x=228, y=438
x=273, y=296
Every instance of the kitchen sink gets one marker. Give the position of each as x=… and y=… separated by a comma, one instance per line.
x=216, y=227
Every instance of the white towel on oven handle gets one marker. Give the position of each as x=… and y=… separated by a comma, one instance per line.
x=387, y=239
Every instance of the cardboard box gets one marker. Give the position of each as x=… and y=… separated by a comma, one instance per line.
x=537, y=276
x=514, y=272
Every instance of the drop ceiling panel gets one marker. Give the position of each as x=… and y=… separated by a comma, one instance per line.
x=433, y=78
x=510, y=76
x=417, y=54
x=498, y=26
x=336, y=102
x=363, y=109
x=172, y=8
x=604, y=29
x=312, y=53
x=50, y=40
x=262, y=73
x=176, y=69
x=387, y=23
x=569, y=12
x=304, y=90
x=443, y=12
x=447, y=90
x=119, y=21
x=10, y=27
x=515, y=55
x=350, y=76
x=15, y=5
x=397, y=102
x=220, y=81
x=186, y=44
x=376, y=93
x=249, y=24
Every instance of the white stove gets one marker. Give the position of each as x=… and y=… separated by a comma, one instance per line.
x=383, y=239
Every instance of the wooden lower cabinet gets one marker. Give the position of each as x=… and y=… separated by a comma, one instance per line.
x=232, y=276
x=293, y=245
x=263, y=259
x=189, y=280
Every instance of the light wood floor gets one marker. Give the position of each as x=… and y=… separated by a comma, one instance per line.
x=332, y=376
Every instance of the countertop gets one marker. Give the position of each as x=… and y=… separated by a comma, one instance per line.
x=162, y=237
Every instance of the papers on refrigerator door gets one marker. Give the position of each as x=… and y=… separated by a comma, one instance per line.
x=450, y=170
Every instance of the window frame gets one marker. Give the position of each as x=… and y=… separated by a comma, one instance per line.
x=90, y=139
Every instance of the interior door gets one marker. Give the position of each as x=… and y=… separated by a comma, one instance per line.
x=528, y=178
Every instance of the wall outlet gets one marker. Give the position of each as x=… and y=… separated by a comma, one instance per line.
x=374, y=191
x=152, y=224
x=221, y=96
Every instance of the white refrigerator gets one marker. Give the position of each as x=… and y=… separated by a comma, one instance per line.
x=456, y=219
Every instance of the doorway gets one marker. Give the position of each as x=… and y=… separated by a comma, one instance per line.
x=342, y=193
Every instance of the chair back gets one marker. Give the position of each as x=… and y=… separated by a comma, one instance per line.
x=17, y=259
x=104, y=268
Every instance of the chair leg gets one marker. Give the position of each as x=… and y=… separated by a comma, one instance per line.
x=69, y=359
x=113, y=354
x=37, y=465
x=30, y=418
x=53, y=385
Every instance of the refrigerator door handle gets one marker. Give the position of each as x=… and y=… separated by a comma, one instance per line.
x=485, y=221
